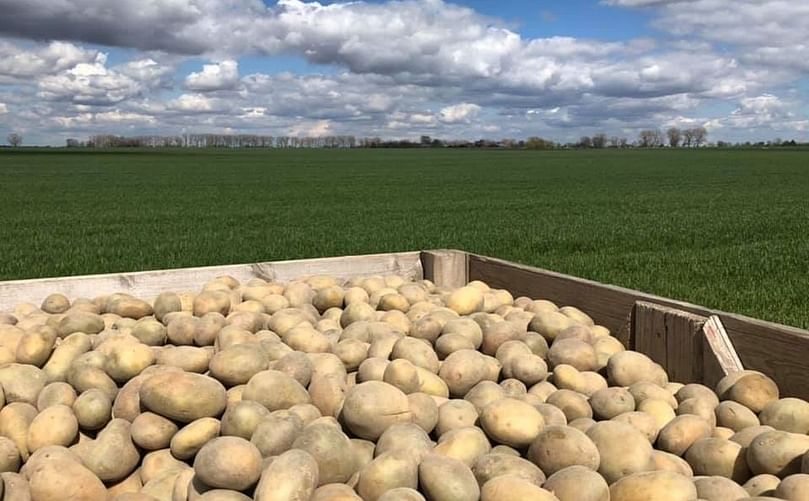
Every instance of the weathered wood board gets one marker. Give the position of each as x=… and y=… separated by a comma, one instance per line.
x=149, y=284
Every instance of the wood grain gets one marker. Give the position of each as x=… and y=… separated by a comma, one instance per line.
x=777, y=350
x=673, y=338
x=446, y=267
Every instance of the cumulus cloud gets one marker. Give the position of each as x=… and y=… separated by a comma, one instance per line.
x=3, y=108
x=19, y=64
x=96, y=84
x=459, y=113
x=219, y=76
x=406, y=67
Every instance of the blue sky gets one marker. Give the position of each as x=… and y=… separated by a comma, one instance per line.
x=400, y=69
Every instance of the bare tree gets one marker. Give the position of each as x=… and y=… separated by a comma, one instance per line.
x=700, y=136
x=688, y=138
x=600, y=141
x=585, y=142
x=675, y=136
x=14, y=139
x=650, y=138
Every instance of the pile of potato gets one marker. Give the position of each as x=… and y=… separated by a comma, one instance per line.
x=375, y=389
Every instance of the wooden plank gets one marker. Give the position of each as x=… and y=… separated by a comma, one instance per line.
x=149, y=284
x=720, y=357
x=777, y=350
x=446, y=267
x=673, y=338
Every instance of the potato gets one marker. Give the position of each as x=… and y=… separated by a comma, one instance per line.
x=498, y=333
x=228, y=463
x=80, y=321
x=573, y=405
x=787, y=414
x=465, y=300
x=407, y=437
x=189, y=439
x=237, y=364
x=578, y=483
x=417, y=352
x=183, y=396
x=777, y=453
x=129, y=307
x=666, y=461
x=371, y=407
x=511, y=422
x=455, y=414
x=514, y=388
x=291, y=476
x=735, y=416
x=92, y=409
x=56, y=425
x=550, y=323
x=718, y=457
x=698, y=407
x=793, y=488
x=165, y=303
x=641, y=421
x=717, y=488
x=745, y=436
x=57, y=479
x=464, y=444
x=761, y=485
x=573, y=352
x=212, y=301
x=558, y=447
x=623, y=450
x=355, y=312
x=327, y=444
x=626, y=368
x=401, y=494
x=9, y=455
x=583, y=424
x=35, y=346
x=496, y=464
x=610, y=402
x=681, y=433
x=388, y=471
x=187, y=358
x=527, y=368
x=112, y=455
x=657, y=485
x=15, y=419
x=752, y=389
x=445, y=479
x=484, y=393
x=22, y=383
x=152, y=432
x=424, y=410
x=660, y=410
x=55, y=394
x=55, y=303
x=513, y=488
x=126, y=360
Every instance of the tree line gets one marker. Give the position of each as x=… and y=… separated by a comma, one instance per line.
x=673, y=137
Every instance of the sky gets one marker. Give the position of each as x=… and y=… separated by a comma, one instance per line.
x=558, y=69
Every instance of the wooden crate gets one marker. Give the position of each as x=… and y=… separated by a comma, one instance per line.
x=670, y=332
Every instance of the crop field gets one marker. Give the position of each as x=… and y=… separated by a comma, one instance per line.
x=724, y=228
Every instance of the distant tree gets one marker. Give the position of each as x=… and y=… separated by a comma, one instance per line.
x=623, y=142
x=675, y=137
x=599, y=141
x=614, y=142
x=700, y=136
x=650, y=138
x=688, y=138
x=537, y=143
x=72, y=143
x=585, y=142
x=14, y=139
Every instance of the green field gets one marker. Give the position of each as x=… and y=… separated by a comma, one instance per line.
x=726, y=229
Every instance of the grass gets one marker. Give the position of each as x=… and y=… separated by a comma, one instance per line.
x=726, y=229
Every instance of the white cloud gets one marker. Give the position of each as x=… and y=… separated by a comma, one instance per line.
x=219, y=76
x=23, y=64
x=459, y=113
x=3, y=108
x=196, y=103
